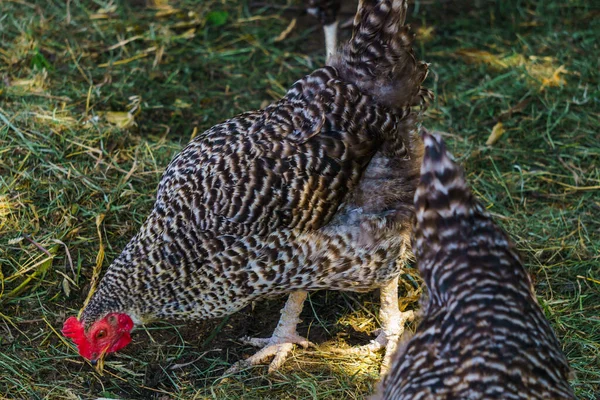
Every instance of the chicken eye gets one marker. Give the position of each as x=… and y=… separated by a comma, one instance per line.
x=101, y=334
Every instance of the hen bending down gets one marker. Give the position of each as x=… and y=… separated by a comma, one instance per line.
x=313, y=192
x=483, y=335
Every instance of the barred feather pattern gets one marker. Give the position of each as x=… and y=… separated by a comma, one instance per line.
x=483, y=334
x=270, y=202
x=325, y=11
x=313, y=192
x=380, y=59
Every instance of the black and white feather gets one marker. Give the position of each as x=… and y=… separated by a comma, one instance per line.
x=313, y=192
x=483, y=334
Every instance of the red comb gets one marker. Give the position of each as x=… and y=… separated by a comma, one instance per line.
x=73, y=328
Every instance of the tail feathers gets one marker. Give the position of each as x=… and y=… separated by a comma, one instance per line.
x=442, y=199
x=379, y=58
x=441, y=178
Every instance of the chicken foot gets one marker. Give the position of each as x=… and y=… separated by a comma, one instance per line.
x=392, y=326
x=331, y=32
x=283, y=339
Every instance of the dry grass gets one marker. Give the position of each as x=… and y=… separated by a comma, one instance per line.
x=96, y=97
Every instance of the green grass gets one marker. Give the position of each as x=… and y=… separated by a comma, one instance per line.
x=62, y=165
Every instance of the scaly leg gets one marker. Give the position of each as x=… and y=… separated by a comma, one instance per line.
x=331, y=31
x=392, y=326
x=392, y=322
x=283, y=339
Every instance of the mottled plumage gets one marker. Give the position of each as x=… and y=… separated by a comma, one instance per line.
x=312, y=192
x=483, y=334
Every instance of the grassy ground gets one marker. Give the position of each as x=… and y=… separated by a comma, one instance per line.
x=96, y=97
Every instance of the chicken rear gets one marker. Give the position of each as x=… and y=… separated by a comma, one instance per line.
x=483, y=334
x=312, y=192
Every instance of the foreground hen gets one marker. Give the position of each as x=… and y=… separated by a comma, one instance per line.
x=313, y=192
x=483, y=335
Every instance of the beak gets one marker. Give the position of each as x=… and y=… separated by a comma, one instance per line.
x=98, y=363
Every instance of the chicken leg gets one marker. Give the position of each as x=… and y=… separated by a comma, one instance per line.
x=331, y=32
x=283, y=339
x=392, y=326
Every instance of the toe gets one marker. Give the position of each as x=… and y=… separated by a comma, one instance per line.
x=301, y=341
x=280, y=356
x=262, y=355
x=407, y=316
x=277, y=346
x=280, y=351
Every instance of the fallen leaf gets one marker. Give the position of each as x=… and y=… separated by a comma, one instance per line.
x=497, y=132
x=36, y=84
x=189, y=34
x=556, y=79
x=124, y=119
x=181, y=104
x=425, y=33
x=66, y=287
x=121, y=119
x=187, y=24
x=166, y=13
x=542, y=72
x=163, y=7
x=105, y=13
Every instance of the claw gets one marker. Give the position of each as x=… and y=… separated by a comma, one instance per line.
x=392, y=327
x=265, y=342
x=281, y=343
x=384, y=340
x=279, y=347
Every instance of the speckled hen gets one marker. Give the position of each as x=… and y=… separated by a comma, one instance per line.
x=483, y=334
x=313, y=192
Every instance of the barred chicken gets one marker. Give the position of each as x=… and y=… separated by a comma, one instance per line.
x=483, y=335
x=313, y=192
x=326, y=11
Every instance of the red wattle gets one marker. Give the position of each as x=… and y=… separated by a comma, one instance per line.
x=123, y=341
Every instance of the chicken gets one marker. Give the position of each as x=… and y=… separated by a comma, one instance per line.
x=483, y=334
x=326, y=11
x=313, y=192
